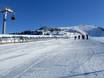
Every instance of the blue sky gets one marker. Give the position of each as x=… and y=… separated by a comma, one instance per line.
x=32, y=14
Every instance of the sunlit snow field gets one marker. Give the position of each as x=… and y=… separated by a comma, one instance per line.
x=62, y=58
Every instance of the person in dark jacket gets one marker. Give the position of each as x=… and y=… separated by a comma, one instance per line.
x=75, y=37
x=78, y=36
x=87, y=36
x=83, y=37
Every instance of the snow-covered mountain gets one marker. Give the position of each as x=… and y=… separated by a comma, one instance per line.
x=55, y=58
x=91, y=30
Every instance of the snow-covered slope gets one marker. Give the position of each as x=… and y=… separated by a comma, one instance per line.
x=63, y=58
x=92, y=30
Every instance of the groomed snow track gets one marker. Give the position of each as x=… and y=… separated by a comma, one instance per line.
x=62, y=58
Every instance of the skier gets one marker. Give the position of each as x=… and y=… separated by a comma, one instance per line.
x=75, y=37
x=83, y=37
x=78, y=36
x=87, y=36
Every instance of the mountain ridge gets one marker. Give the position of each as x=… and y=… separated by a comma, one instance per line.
x=91, y=30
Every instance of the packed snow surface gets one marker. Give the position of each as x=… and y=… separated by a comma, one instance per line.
x=62, y=58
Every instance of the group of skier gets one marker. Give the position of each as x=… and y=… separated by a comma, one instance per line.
x=83, y=37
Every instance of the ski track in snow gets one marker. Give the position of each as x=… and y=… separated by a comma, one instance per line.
x=53, y=59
